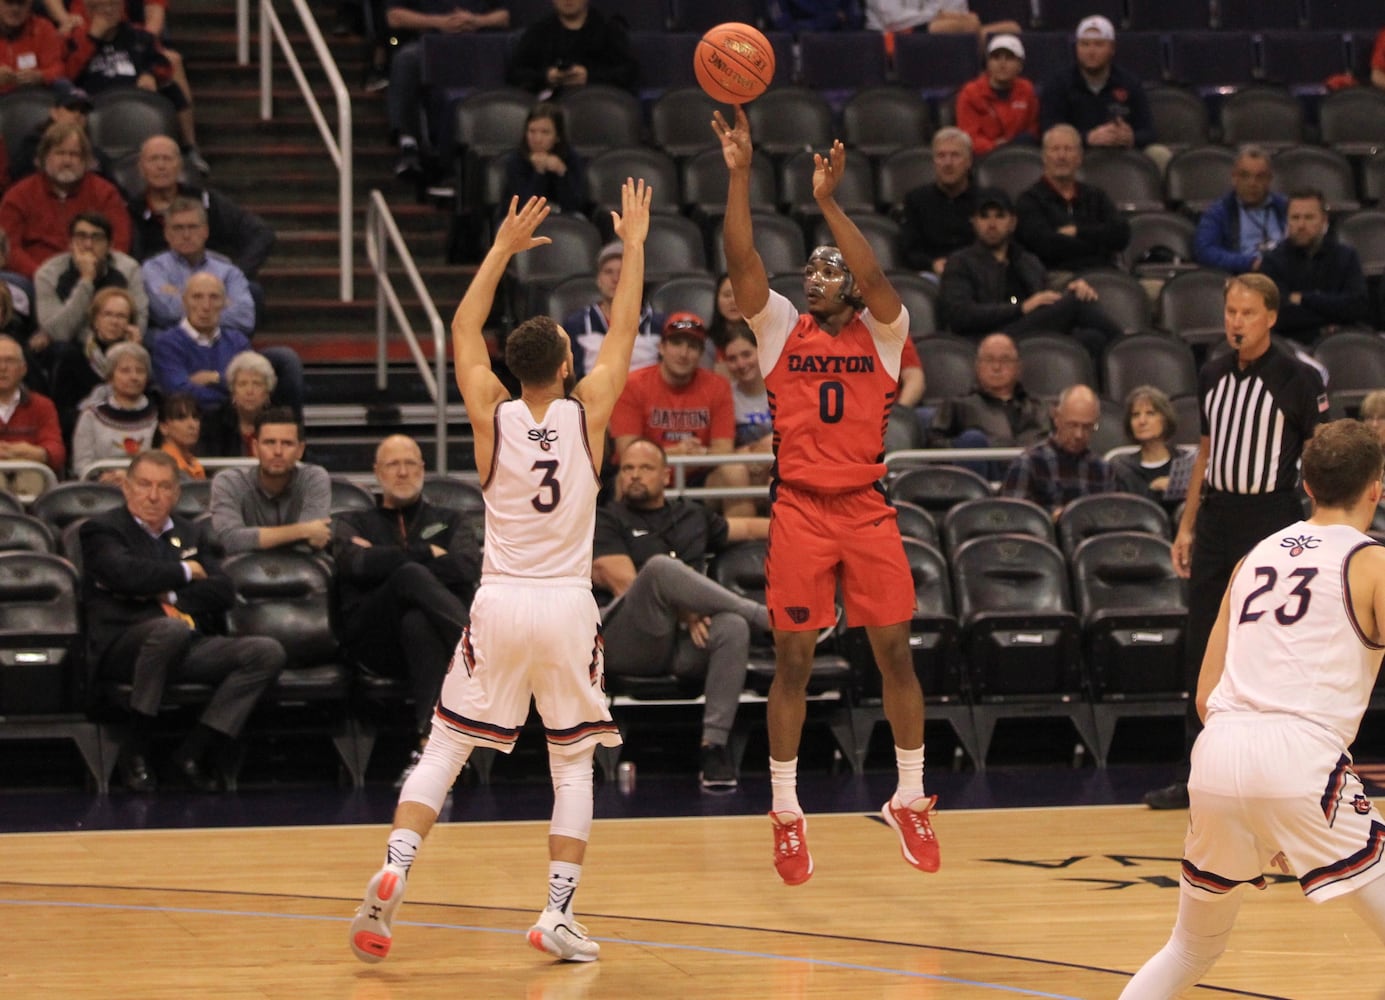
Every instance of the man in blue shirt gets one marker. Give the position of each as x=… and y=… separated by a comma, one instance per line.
x=1238, y=229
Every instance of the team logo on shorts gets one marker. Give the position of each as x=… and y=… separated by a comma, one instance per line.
x=797, y=615
x=1361, y=804
x=544, y=437
x=1297, y=545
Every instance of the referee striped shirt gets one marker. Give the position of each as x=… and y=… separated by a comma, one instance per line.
x=1258, y=419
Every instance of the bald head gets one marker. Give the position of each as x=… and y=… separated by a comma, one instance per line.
x=204, y=298
x=1076, y=418
x=159, y=165
x=399, y=471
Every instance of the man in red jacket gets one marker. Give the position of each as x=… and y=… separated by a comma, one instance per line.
x=37, y=211
x=31, y=53
x=29, y=429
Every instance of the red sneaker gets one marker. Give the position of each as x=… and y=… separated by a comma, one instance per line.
x=791, y=858
x=917, y=841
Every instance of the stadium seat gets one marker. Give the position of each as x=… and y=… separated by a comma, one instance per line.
x=1256, y=15
x=878, y=121
x=705, y=179
x=880, y=231
x=1123, y=299
x=935, y=64
x=1010, y=168
x=346, y=495
x=21, y=112
x=601, y=117
x=1100, y=513
x=916, y=523
x=1267, y=116
x=1156, y=359
x=1198, y=176
x=1191, y=306
x=1355, y=364
x=194, y=498
x=25, y=533
x=994, y=516
x=920, y=297
x=1129, y=177
x=665, y=61
x=1208, y=60
x=1314, y=167
x=674, y=246
x=69, y=502
x=786, y=120
x=1180, y=117
x=949, y=366
x=855, y=188
x=1364, y=232
x=1301, y=60
x=778, y=239
x=607, y=171
x=1352, y=121
x=1052, y=362
x=679, y=121
x=1161, y=245
x=695, y=293
x=1343, y=14
x=571, y=294
x=901, y=172
x=938, y=488
x=841, y=62
x=1054, y=15
x=699, y=15
x=1168, y=15
x=121, y=120
x=573, y=250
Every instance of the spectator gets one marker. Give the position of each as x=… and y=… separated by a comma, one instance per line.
x=72, y=105
x=37, y=211
x=1238, y=229
x=1378, y=61
x=67, y=284
x=230, y=433
x=11, y=322
x=406, y=572
x=587, y=327
x=572, y=47
x=110, y=53
x=155, y=600
x=32, y=53
x=815, y=15
x=754, y=420
x=940, y=16
x=409, y=21
x=727, y=319
x=937, y=216
x=1068, y=224
x=999, y=106
x=21, y=293
x=683, y=408
x=997, y=412
x=83, y=362
x=180, y=428
x=545, y=165
x=282, y=501
x=1150, y=425
x=166, y=274
x=117, y=420
x=994, y=285
x=1372, y=413
x=233, y=231
x=1321, y=285
x=1105, y=102
x=1057, y=471
x=29, y=430
x=651, y=553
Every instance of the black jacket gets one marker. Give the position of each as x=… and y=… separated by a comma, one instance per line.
x=399, y=536
x=602, y=45
x=126, y=574
x=1068, y=99
x=1102, y=232
x=1329, y=277
x=935, y=224
x=974, y=298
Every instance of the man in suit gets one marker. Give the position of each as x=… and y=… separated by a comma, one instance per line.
x=155, y=599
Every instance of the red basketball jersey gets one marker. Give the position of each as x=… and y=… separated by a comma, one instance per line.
x=830, y=397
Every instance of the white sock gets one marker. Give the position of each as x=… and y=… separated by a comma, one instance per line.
x=402, y=847
x=783, y=782
x=563, y=877
x=910, y=765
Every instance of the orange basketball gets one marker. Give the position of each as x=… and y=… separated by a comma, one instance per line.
x=734, y=63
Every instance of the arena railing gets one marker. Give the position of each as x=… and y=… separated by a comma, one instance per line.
x=382, y=234
x=339, y=145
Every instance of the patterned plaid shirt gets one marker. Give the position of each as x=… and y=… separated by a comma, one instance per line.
x=1053, y=477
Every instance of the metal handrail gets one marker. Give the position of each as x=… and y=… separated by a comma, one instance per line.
x=338, y=146
x=50, y=478
x=381, y=233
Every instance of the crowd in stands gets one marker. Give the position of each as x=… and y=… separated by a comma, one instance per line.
x=128, y=318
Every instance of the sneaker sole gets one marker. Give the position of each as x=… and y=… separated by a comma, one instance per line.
x=372, y=946
x=923, y=866
x=549, y=944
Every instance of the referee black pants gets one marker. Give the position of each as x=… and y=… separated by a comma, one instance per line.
x=1228, y=526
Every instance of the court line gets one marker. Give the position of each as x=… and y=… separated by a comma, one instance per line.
x=704, y=949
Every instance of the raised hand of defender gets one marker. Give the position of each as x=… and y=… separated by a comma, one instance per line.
x=516, y=232
x=828, y=170
x=632, y=223
x=735, y=142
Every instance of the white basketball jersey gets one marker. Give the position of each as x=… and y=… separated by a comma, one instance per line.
x=1294, y=644
x=540, y=495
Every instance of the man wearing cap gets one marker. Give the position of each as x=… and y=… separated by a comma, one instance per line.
x=587, y=326
x=1066, y=223
x=999, y=106
x=1104, y=102
x=995, y=285
x=683, y=408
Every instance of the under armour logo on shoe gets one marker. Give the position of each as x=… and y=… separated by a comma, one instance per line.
x=797, y=615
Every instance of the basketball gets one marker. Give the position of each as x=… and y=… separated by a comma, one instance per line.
x=733, y=63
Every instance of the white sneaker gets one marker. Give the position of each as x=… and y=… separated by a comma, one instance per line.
x=563, y=938
x=370, y=931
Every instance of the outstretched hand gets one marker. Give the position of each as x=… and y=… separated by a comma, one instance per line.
x=632, y=223
x=828, y=170
x=735, y=142
x=516, y=232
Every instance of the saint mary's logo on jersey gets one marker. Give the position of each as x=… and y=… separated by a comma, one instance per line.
x=1296, y=546
x=545, y=438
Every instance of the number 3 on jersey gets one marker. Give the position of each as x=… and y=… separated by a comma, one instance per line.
x=1291, y=610
x=547, y=485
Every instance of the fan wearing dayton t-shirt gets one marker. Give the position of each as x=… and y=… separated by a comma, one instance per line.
x=684, y=408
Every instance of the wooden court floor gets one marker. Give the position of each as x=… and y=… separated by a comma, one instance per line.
x=1056, y=903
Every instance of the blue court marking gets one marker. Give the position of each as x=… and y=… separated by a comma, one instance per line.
x=703, y=949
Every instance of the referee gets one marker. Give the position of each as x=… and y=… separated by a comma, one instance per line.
x=1259, y=404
